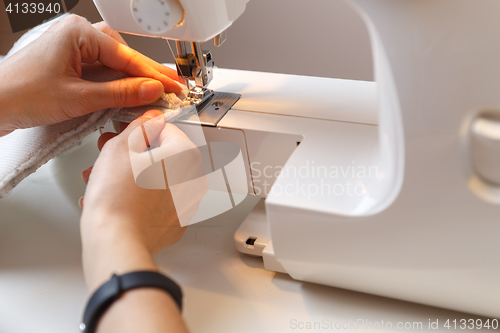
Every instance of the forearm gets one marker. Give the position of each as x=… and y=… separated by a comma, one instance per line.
x=116, y=250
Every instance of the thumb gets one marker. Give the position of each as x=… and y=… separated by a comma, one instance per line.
x=143, y=132
x=128, y=92
x=5, y=132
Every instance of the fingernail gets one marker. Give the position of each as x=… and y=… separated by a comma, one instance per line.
x=150, y=90
x=183, y=90
x=80, y=202
x=152, y=114
x=86, y=174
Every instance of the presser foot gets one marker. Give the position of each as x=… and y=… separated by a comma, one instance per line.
x=199, y=95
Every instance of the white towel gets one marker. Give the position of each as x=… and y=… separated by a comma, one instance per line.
x=23, y=151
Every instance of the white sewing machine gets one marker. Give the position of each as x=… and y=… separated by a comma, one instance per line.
x=390, y=188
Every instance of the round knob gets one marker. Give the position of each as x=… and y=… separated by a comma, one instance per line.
x=485, y=146
x=157, y=16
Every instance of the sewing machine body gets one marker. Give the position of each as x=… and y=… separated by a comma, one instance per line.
x=187, y=20
x=408, y=206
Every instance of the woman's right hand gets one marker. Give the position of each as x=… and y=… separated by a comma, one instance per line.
x=124, y=225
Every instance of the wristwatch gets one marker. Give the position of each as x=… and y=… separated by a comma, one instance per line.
x=117, y=285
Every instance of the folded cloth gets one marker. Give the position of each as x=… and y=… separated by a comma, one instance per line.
x=23, y=151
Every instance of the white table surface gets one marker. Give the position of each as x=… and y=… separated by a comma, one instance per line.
x=42, y=287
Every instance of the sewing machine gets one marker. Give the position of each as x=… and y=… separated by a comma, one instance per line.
x=389, y=187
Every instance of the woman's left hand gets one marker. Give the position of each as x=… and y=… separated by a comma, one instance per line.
x=41, y=84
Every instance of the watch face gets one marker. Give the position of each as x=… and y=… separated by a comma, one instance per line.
x=154, y=16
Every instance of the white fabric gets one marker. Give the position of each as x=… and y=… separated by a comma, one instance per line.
x=24, y=151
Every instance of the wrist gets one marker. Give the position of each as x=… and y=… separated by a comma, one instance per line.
x=111, y=247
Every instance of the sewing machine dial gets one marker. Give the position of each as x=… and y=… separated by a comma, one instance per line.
x=157, y=16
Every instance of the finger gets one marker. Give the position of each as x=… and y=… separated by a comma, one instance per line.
x=171, y=73
x=127, y=92
x=183, y=160
x=144, y=131
x=172, y=133
x=80, y=202
x=95, y=45
x=5, y=132
x=86, y=175
x=130, y=62
x=147, y=116
x=105, y=137
x=122, y=126
x=116, y=126
x=119, y=126
x=103, y=27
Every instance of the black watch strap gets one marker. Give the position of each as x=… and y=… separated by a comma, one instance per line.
x=111, y=291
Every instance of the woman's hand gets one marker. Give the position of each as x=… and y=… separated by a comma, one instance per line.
x=41, y=84
x=124, y=225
